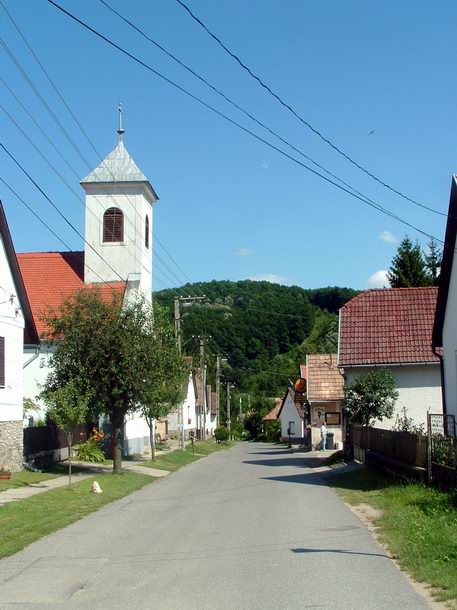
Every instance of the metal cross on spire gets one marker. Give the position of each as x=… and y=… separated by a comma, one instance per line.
x=121, y=129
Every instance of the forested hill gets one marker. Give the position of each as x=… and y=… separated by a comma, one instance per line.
x=264, y=329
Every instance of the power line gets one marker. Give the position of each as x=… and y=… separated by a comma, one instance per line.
x=245, y=129
x=72, y=115
x=304, y=121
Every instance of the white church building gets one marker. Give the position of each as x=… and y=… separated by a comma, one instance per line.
x=117, y=256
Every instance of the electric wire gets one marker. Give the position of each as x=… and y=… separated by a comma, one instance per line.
x=304, y=121
x=245, y=129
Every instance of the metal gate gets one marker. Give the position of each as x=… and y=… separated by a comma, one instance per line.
x=442, y=449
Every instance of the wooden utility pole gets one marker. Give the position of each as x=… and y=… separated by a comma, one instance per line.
x=228, y=409
x=185, y=301
x=203, y=377
x=218, y=389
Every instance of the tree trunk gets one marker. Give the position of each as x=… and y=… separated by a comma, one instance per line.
x=153, y=444
x=70, y=443
x=117, y=425
x=150, y=421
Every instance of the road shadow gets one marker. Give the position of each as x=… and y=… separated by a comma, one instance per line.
x=304, y=550
x=307, y=478
x=291, y=461
x=277, y=452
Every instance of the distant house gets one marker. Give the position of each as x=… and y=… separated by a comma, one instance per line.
x=324, y=394
x=392, y=328
x=445, y=326
x=17, y=329
x=273, y=414
x=291, y=415
x=188, y=409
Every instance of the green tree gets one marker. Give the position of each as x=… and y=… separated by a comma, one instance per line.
x=68, y=407
x=371, y=397
x=108, y=350
x=323, y=338
x=408, y=267
x=167, y=375
x=433, y=262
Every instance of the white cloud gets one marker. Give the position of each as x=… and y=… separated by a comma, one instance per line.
x=245, y=252
x=378, y=279
x=270, y=277
x=265, y=165
x=388, y=237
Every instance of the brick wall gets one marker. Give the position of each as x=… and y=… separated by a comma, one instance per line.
x=11, y=445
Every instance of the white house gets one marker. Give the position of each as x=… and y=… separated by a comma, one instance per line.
x=445, y=326
x=117, y=257
x=291, y=416
x=16, y=329
x=392, y=328
x=188, y=409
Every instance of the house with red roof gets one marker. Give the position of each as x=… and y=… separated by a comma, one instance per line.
x=445, y=324
x=17, y=328
x=392, y=328
x=117, y=257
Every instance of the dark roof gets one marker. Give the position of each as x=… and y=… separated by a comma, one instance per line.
x=291, y=392
x=446, y=266
x=30, y=331
x=388, y=326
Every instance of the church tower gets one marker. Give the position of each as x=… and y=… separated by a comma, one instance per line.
x=119, y=202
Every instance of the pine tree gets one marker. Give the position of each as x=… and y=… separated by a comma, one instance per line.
x=433, y=262
x=408, y=267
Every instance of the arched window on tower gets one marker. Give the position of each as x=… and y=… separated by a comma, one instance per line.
x=146, y=232
x=113, y=225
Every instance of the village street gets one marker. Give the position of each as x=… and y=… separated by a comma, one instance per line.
x=250, y=527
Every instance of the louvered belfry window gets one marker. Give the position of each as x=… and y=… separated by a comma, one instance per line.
x=146, y=232
x=113, y=225
x=2, y=362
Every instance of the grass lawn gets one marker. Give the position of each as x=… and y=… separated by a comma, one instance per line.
x=418, y=524
x=172, y=461
x=25, y=521
x=209, y=446
x=24, y=478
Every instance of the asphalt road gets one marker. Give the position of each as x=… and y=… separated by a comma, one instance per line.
x=242, y=529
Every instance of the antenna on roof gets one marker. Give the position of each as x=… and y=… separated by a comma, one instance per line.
x=121, y=129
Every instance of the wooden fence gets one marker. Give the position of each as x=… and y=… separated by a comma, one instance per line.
x=50, y=443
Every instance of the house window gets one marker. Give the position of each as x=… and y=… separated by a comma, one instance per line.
x=113, y=225
x=333, y=418
x=146, y=232
x=291, y=429
x=2, y=362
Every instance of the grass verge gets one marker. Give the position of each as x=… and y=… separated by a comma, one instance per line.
x=172, y=461
x=25, y=521
x=209, y=446
x=24, y=478
x=418, y=524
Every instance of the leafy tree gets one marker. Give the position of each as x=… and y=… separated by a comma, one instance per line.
x=433, y=262
x=167, y=375
x=323, y=338
x=68, y=407
x=108, y=350
x=371, y=397
x=408, y=267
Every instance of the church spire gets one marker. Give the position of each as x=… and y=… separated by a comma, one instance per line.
x=121, y=129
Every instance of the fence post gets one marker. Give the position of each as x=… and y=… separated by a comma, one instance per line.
x=348, y=444
x=429, y=449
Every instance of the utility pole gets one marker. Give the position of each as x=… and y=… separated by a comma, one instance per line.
x=241, y=406
x=218, y=388
x=228, y=409
x=203, y=375
x=185, y=301
x=249, y=403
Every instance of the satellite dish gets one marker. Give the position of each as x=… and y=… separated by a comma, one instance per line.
x=300, y=385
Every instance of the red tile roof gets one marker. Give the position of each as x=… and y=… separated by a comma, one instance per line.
x=273, y=414
x=51, y=277
x=388, y=326
x=325, y=382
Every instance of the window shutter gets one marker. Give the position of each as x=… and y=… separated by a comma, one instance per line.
x=146, y=232
x=2, y=362
x=113, y=225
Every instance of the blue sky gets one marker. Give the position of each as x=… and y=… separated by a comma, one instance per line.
x=230, y=207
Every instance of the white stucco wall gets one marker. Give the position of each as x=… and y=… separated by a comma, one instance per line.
x=419, y=389
x=289, y=414
x=450, y=343
x=36, y=370
x=124, y=260
x=189, y=416
x=12, y=329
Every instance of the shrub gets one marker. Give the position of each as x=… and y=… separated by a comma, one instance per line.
x=221, y=434
x=90, y=451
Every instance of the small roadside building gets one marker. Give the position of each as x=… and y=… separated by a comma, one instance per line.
x=392, y=328
x=324, y=394
x=292, y=417
x=445, y=323
x=17, y=329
